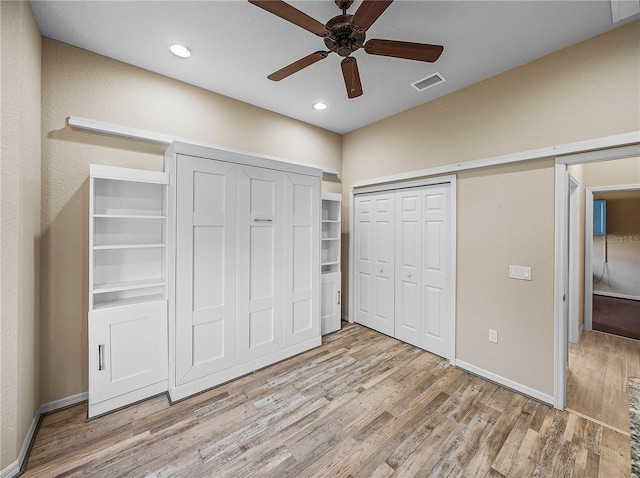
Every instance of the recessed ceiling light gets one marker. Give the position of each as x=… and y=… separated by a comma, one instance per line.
x=180, y=50
x=320, y=106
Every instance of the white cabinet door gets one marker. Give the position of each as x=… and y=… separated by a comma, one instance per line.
x=436, y=269
x=302, y=261
x=261, y=242
x=205, y=267
x=330, y=302
x=375, y=261
x=127, y=354
x=408, y=238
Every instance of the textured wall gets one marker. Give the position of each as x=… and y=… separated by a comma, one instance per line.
x=585, y=91
x=19, y=225
x=79, y=83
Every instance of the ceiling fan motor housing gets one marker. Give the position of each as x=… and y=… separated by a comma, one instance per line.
x=342, y=39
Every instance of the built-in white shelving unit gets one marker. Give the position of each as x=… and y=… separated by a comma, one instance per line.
x=330, y=311
x=127, y=286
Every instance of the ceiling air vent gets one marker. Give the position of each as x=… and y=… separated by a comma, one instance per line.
x=429, y=81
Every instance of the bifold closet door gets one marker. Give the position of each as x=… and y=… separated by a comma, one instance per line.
x=436, y=269
x=261, y=258
x=408, y=259
x=374, y=251
x=205, y=267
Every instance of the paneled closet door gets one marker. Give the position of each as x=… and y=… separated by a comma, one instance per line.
x=436, y=270
x=375, y=261
x=408, y=237
x=205, y=267
x=302, y=262
x=363, y=279
x=261, y=252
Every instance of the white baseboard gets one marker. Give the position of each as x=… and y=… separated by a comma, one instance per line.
x=14, y=468
x=616, y=295
x=518, y=387
x=580, y=331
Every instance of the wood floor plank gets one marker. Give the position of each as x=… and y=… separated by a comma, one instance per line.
x=363, y=405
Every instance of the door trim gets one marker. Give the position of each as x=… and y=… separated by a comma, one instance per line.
x=384, y=186
x=560, y=320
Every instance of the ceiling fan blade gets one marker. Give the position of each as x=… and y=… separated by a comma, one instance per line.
x=351, y=77
x=297, y=65
x=368, y=12
x=404, y=49
x=293, y=15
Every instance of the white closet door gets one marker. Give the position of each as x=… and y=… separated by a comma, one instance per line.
x=302, y=261
x=408, y=236
x=383, y=264
x=363, y=307
x=205, y=267
x=375, y=262
x=436, y=270
x=261, y=250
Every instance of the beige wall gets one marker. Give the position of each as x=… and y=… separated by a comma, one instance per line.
x=19, y=225
x=79, y=83
x=585, y=91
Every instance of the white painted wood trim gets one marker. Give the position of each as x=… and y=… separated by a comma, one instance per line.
x=352, y=260
x=505, y=382
x=331, y=196
x=128, y=174
x=621, y=152
x=239, y=157
x=381, y=187
x=161, y=138
x=616, y=295
x=14, y=468
x=607, y=142
x=453, y=194
x=560, y=339
x=574, y=258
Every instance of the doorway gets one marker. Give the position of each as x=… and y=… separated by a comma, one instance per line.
x=566, y=327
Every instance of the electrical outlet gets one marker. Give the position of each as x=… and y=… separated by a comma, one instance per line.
x=493, y=336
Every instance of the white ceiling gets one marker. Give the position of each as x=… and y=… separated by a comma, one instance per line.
x=235, y=45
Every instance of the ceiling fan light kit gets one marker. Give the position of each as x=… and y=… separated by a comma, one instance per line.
x=344, y=34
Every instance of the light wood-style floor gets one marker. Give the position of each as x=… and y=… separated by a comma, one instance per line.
x=600, y=365
x=362, y=405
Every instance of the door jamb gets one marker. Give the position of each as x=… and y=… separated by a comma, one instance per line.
x=561, y=249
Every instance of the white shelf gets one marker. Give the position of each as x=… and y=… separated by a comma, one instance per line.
x=127, y=246
x=110, y=304
x=330, y=263
x=330, y=238
x=127, y=285
x=330, y=220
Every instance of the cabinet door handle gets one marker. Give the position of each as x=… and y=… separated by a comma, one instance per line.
x=338, y=297
x=263, y=220
x=101, y=357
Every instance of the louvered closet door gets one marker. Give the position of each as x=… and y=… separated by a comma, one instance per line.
x=302, y=260
x=436, y=270
x=205, y=267
x=261, y=251
x=375, y=261
x=408, y=236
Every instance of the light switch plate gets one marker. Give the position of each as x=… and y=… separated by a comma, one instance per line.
x=520, y=272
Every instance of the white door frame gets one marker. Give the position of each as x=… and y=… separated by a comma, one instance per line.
x=430, y=181
x=574, y=258
x=561, y=253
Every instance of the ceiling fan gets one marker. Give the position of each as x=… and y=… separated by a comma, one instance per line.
x=344, y=34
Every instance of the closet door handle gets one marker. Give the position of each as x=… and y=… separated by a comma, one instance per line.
x=101, y=357
x=338, y=297
x=263, y=220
